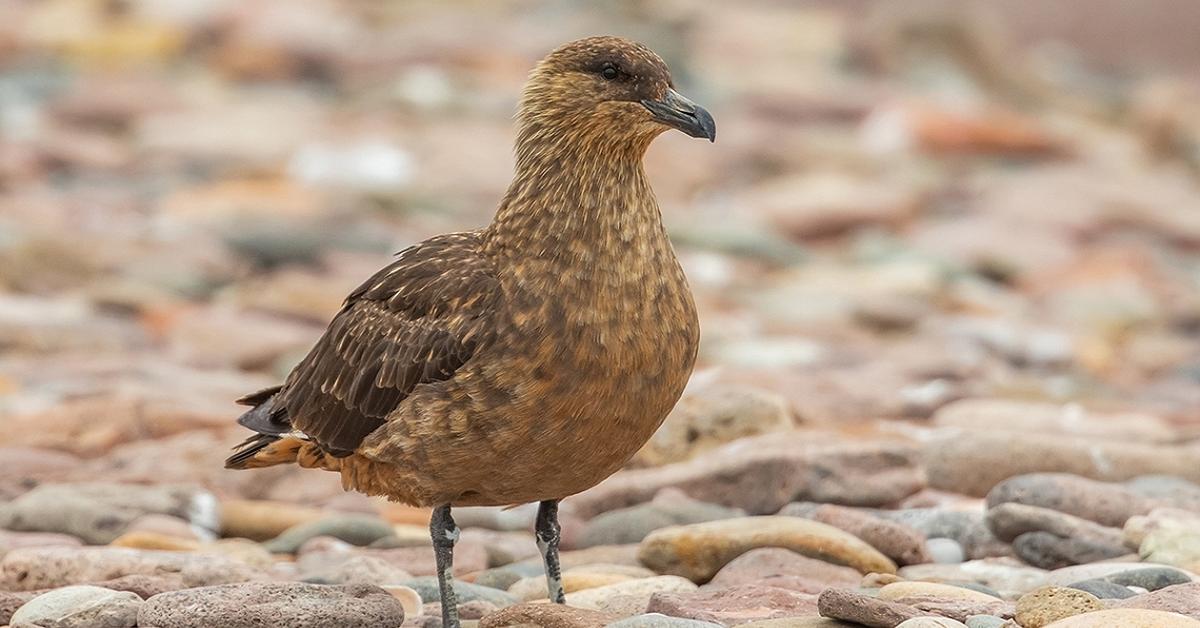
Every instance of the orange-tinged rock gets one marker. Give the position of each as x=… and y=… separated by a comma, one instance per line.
x=1127, y=618
x=261, y=520
x=242, y=197
x=403, y=514
x=155, y=541
x=73, y=426
x=940, y=130
x=699, y=550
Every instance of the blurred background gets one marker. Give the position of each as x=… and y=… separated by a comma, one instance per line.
x=917, y=214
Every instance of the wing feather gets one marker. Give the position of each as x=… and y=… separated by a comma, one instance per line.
x=416, y=321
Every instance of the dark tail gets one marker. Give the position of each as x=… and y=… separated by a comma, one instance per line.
x=270, y=425
x=265, y=450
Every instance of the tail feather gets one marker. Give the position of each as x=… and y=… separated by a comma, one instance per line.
x=271, y=444
x=265, y=450
x=266, y=417
x=274, y=441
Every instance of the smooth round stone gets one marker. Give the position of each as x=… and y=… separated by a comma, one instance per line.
x=276, y=604
x=900, y=542
x=736, y=604
x=427, y=588
x=931, y=622
x=473, y=610
x=630, y=525
x=502, y=548
x=966, y=527
x=15, y=540
x=99, y=512
x=1103, y=589
x=1168, y=489
x=1137, y=529
x=658, y=620
x=1125, y=573
x=1151, y=578
x=628, y=598
x=1180, y=598
x=504, y=577
x=633, y=571
x=145, y=586
x=766, y=562
x=859, y=608
x=1046, y=550
x=897, y=590
x=353, y=529
x=350, y=569
x=409, y=598
x=1003, y=575
x=1176, y=546
x=173, y=526
x=79, y=607
x=519, y=518
x=712, y=416
x=155, y=541
x=981, y=588
x=761, y=474
x=699, y=550
x=1011, y=520
x=535, y=588
x=49, y=567
x=877, y=580
x=972, y=463
x=985, y=621
x=1047, y=605
x=1102, y=502
x=1127, y=618
x=260, y=520
x=242, y=550
x=945, y=551
x=547, y=616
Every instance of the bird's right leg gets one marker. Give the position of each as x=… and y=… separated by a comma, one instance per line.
x=445, y=535
x=548, y=535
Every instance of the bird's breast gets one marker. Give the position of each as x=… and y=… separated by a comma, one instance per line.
x=616, y=345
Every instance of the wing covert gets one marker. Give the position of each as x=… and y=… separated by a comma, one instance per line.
x=418, y=320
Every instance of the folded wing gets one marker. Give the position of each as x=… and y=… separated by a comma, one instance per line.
x=416, y=321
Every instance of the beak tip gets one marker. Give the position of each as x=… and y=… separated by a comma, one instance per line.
x=676, y=111
x=707, y=125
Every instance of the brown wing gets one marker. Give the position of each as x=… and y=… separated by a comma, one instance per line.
x=416, y=321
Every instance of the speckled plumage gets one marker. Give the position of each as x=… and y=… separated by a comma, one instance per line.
x=522, y=362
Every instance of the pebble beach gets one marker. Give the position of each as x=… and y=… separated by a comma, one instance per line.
x=948, y=284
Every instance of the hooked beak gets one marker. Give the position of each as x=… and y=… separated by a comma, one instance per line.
x=676, y=111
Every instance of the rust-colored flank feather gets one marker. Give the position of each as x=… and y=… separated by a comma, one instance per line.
x=525, y=361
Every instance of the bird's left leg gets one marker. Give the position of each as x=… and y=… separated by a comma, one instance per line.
x=547, y=532
x=445, y=535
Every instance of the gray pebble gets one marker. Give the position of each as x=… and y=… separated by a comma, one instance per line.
x=1103, y=589
x=427, y=588
x=1149, y=578
x=503, y=577
x=945, y=551
x=353, y=529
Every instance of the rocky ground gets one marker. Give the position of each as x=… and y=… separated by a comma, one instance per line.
x=950, y=366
